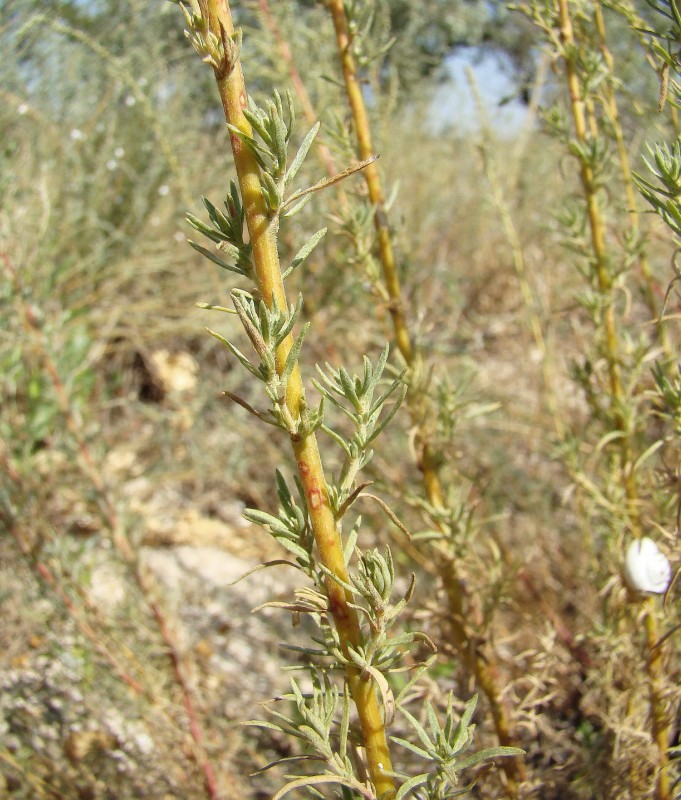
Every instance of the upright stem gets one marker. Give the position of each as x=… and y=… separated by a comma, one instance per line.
x=262, y=230
x=660, y=718
x=611, y=109
x=602, y=267
x=353, y=89
x=421, y=409
x=427, y=461
x=660, y=726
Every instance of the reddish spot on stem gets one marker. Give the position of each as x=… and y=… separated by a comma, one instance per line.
x=315, y=498
x=303, y=469
x=242, y=100
x=337, y=603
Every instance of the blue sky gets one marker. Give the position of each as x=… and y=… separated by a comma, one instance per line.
x=453, y=103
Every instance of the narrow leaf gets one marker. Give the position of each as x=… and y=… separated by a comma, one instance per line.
x=408, y=786
x=206, y=230
x=410, y=746
x=267, y=521
x=216, y=259
x=300, y=156
x=256, y=122
x=378, y=403
x=294, y=209
x=255, y=149
x=235, y=351
x=486, y=755
x=261, y=723
x=285, y=760
x=386, y=420
x=420, y=732
x=211, y=307
x=276, y=562
x=646, y=454
x=294, y=353
x=305, y=251
x=299, y=783
x=294, y=313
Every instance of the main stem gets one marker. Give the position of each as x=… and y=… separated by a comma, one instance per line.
x=262, y=231
x=660, y=725
x=373, y=180
x=420, y=411
x=603, y=272
x=475, y=662
x=612, y=110
x=660, y=719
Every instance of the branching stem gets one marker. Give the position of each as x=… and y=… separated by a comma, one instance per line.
x=602, y=267
x=660, y=725
x=353, y=89
x=612, y=111
x=263, y=232
x=419, y=404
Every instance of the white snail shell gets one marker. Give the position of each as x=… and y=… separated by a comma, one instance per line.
x=646, y=569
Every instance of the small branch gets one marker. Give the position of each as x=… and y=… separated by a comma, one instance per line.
x=326, y=182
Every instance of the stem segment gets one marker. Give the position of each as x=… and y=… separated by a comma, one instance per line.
x=373, y=180
x=420, y=407
x=660, y=728
x=263, y=232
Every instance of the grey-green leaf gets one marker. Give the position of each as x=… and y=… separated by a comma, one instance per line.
x=301, y=155
x=294, y=354
x=216, y=259
x=305, y=251
x=486, y=755
x=408, y=786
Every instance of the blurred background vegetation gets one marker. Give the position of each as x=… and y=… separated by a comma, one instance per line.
x=112, y=416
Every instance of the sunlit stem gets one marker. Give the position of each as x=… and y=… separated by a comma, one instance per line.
x=263, y=237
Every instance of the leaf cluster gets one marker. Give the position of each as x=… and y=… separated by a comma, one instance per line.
x=268, y=328
x=355, y=397
x=269, y=142
x=371, y=586
x=291, y=528
x=227, y=231
x=314, y=721
x=664, y=191
x=444, y=746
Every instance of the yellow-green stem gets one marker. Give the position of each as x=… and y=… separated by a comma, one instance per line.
x=611, y=109
x=660, y=718
x=475, y=662
x=262, y=232
x=426, y=459
x=603, y=273
x=353, y=90
x=659, y=723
